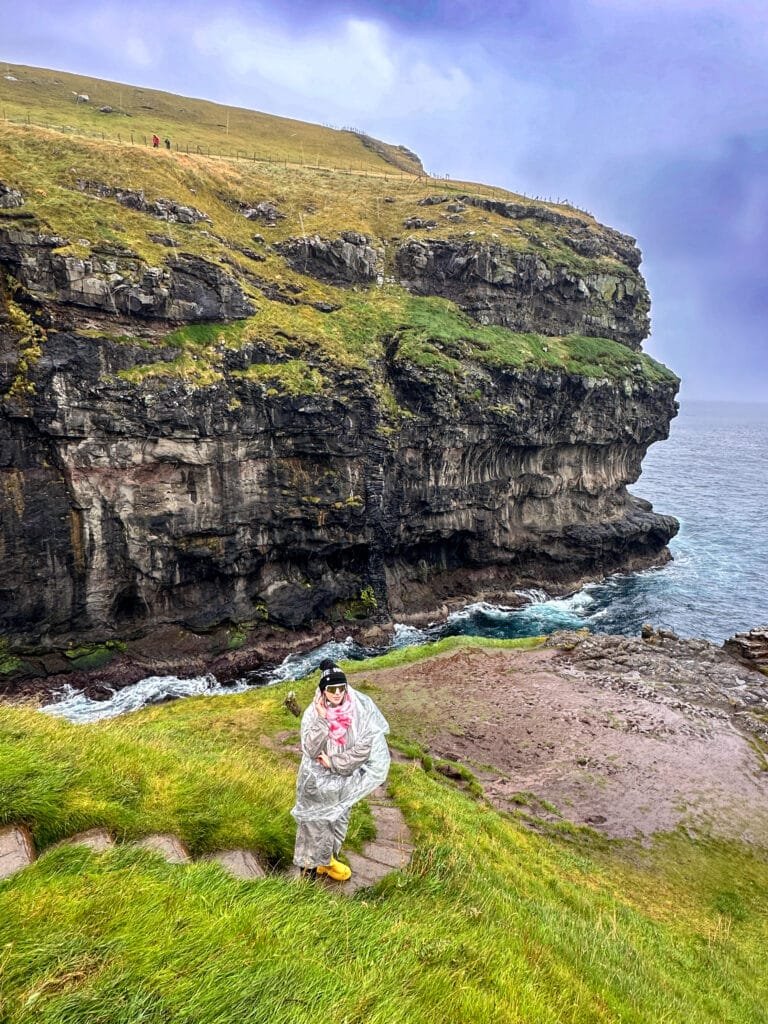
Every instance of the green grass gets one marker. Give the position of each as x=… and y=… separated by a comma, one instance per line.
x=432, y=334
x=45, y=97
x=492, y=922
x=294, y=377
x=409, y=655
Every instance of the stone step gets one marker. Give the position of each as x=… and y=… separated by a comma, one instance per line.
x=170, y=847
x=96, y=839
x=393, y=857
x=365, y=873
x=380, y=796
x=390, y=851
x=391, y=826
x=239, y=863
x=17, y=850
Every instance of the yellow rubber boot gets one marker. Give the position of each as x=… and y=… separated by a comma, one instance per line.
x=336, y=870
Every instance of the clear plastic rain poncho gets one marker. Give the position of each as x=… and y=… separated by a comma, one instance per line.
x=324, y=798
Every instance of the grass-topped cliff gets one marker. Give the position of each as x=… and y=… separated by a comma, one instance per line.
x=48, y=98
x=320, y=182
x=245, y=390
x=500, y=917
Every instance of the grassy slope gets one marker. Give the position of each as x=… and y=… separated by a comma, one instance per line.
x=491, y=923
x=46, y=97
x=323, y=200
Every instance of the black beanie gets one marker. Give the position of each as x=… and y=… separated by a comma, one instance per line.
x=334, y=676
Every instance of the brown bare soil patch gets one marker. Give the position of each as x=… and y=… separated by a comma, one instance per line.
x=534, y=728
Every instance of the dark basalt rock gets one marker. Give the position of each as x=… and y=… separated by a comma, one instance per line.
x=589, y=240
x=419, y=222
x=10, y=198
x=146, y=510
x=163, y=209
x=499, y=285
x=125, y=509
x=348, y=259
x=433, y=200
x=115, y=280
x=266, y=212
x=169, y=243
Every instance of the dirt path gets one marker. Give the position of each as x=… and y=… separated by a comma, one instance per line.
x=628, y=765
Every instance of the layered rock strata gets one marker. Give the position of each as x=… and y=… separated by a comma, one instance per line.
x=132, y=504
x=125, y=506
x=115, y=280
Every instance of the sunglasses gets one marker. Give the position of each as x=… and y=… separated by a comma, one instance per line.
x=336, y=688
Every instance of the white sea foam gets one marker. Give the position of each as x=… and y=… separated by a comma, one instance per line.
x=296, y=666
x=480, y=608
x=533, y=595
x=408, y=636
x=76, y=707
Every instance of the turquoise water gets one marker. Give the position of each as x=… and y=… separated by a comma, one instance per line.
x=712, y=473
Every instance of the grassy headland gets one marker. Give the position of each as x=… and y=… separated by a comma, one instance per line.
x=322, y=181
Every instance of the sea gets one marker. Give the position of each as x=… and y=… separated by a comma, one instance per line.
x=711, y=473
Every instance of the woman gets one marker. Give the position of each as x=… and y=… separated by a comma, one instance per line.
x=344, y=758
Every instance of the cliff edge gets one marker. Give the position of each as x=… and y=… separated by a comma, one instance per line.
x=253, y=398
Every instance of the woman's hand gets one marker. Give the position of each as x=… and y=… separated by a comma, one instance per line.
x=325, y=761
x=320, y=707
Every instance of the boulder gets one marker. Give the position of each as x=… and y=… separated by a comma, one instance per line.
x=266, y=212
x=419, y=222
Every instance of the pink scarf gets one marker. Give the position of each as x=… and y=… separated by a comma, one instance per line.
x=340, y=719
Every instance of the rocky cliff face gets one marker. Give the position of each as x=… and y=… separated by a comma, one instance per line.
x=116, y=280
x=129, y=505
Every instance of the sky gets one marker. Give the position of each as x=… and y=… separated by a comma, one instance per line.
x=650, y=114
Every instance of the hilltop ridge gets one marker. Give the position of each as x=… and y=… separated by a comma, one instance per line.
x=117, y=111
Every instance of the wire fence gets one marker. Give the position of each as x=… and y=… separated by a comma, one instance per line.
x=191, y=147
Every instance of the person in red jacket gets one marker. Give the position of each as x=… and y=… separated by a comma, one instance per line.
x=155, y=141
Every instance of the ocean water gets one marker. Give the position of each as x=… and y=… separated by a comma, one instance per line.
x=712, y=474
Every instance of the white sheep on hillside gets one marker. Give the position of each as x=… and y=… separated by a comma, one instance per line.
x=81, y=97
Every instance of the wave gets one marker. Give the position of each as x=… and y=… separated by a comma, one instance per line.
x=76, y=707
